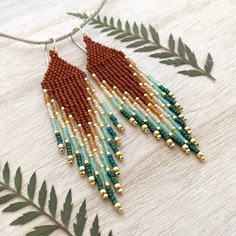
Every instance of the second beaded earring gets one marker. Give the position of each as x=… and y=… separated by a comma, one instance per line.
x=139, y=97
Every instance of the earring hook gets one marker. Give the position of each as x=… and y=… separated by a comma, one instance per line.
x=76, y=43
x=46, y=53
x=54, y=44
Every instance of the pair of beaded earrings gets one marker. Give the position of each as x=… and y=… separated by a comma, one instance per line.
x=84, y=125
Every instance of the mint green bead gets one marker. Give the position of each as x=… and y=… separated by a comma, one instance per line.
x=104, y=175
x=164, y=128
x=115, y=103
x=65, y=134
x=74, y=144
x=152, y=122
x=105, y=120
x=126, y=108
x=174, y=123
x=84, y=154
x=151, y=79
x=105, y=133
x=167, y=110
x=104, y=160
x=105, y=146
x=105, y=107
x=93, y=164
x=54, y=124
x=179, y=135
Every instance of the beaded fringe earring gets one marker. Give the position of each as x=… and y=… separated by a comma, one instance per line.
x=139, y=97
x=83, y=126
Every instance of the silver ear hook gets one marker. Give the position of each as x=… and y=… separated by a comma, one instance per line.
x=54, y=44
x=76, y=43
x=46, y=53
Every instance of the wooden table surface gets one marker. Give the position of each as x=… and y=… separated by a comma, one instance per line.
x=165, y=192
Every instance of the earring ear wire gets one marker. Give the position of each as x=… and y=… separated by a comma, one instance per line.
x=76, y=43
x=54, y=48
x=46, y=53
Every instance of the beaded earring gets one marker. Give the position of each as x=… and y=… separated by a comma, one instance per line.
x=83, y=125
x=139, y=97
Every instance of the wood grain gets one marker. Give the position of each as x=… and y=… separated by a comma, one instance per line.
x=166, y=193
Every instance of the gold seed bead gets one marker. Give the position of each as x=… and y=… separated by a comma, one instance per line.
x=200, y=156
x=171, y=94
x=194, y=141
x=70, y=159
x=116, y=170
x=61, y=148
x=145, y=129
x=132, y=121
x=170, y=143
x=82, y=170
x=178, y=106
x=118, y=141
x=103, y=194
x=118, y=208
x=121, y=127
x=119, y=155
x=118, y=188
x=91, y=180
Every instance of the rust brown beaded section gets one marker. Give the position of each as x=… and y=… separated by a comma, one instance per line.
x=111, y=65
x=65, y=83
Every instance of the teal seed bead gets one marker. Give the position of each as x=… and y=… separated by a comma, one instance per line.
x=172, y=101
x=193, y=148
x=111, y=195
x=68, y=148
x=185, y=135
x=152, y=125
x=112, y=177
x=174, y=110
x=164, y=89
x=139, y=118
x=59, y=138
x=177, y=140
x=125, y=114
x=88, y=169
x=180, y=122
x=113, y=146
x=79, y=159
x=164, y=134
x=111, y=132
x=114, y=120
x=111, y=160
x=99, y=182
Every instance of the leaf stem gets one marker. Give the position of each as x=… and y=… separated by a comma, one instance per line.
x=31, y=203
x=185, y=60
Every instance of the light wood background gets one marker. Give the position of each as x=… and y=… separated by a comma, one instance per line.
x=165, y=192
